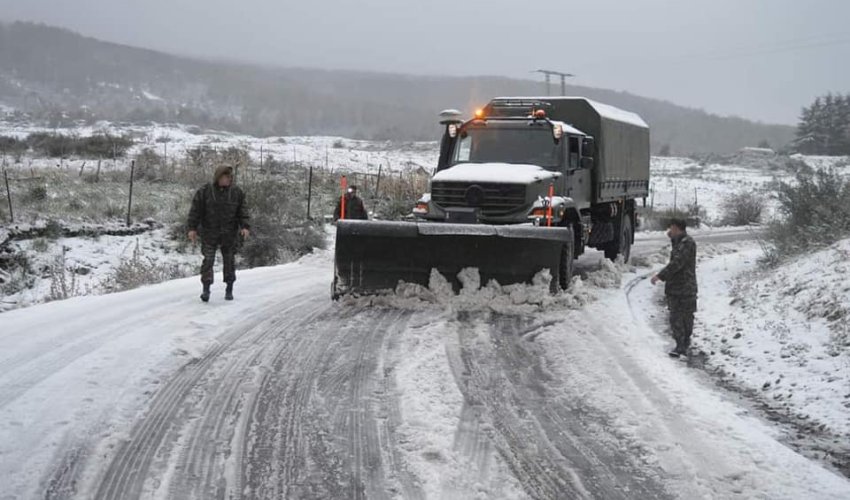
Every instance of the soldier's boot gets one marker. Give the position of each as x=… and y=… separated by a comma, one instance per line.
x=682, y=347
x=679, y=350
x=205, y=294
x=228, y=292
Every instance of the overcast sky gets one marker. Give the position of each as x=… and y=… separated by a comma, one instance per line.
x=761, y=59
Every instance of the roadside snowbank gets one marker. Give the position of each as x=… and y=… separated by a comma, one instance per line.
x=70, y=267
x=784, y=332
x=612, y=354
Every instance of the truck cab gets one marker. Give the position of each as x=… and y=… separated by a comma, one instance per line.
x=494, y=170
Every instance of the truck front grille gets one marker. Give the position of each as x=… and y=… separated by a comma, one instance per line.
x=491, y=198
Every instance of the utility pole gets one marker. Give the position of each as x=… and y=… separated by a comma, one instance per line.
x=548, y=74
x=309, y=191
x=378, y=183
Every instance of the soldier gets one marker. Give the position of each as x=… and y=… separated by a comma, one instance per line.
x=680, y=285
x=354, y=207
x=220, y=213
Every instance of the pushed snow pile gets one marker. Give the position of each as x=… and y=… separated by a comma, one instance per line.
x=784, y=332
x=519, y=299
x=609, y=275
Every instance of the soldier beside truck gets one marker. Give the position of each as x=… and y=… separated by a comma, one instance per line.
x=526, y=185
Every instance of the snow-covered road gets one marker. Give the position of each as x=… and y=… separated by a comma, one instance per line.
x=284, y=394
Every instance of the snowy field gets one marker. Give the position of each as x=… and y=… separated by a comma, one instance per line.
x=682, y=182
x=676, y=182
x=333, y=153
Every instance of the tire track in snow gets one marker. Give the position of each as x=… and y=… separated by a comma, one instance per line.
x=329, y=431
x=401, y=480
x=219, y=430
x=553, y=448
x=130, y=468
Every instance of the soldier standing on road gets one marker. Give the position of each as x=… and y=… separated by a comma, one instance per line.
x=680, y=285
x=354, y=207
x=220, y=213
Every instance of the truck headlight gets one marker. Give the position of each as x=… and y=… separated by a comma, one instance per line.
x=421, y=208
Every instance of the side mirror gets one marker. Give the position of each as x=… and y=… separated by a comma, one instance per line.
x=587, y=162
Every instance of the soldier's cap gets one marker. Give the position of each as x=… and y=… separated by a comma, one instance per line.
x=680, y=223
x=222, y=171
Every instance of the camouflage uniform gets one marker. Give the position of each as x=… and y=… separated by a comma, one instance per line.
x=680, y=287
x=219, y=213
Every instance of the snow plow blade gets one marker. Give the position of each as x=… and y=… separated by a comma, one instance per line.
x=373, y=257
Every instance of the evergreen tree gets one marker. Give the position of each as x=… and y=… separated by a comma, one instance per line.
x=824, y=126
x=805, y=141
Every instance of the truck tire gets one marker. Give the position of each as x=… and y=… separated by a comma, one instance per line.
x=567, y=264
x=622, y=245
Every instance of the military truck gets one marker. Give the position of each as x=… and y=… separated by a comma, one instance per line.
x=526, y=184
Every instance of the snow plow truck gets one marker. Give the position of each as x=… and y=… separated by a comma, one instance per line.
x=526, y=184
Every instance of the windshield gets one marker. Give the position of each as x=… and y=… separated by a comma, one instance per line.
x=531, y=145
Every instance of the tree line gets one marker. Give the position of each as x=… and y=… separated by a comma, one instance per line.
x=824, y=127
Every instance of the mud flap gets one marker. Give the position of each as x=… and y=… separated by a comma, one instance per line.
x=373, y=257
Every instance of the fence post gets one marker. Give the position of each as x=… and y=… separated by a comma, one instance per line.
x=9, y=196
x=82, y=168
x=378, y=182
x=675, y=198
x=130, y=202
x=97, y=174
x=309, y=191
x=652, y=198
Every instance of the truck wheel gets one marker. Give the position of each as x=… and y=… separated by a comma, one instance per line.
x=567, y=263
x=623, y=244
x=334, y=293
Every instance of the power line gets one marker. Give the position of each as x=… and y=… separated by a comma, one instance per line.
x=739, y=52
x=549, y=74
